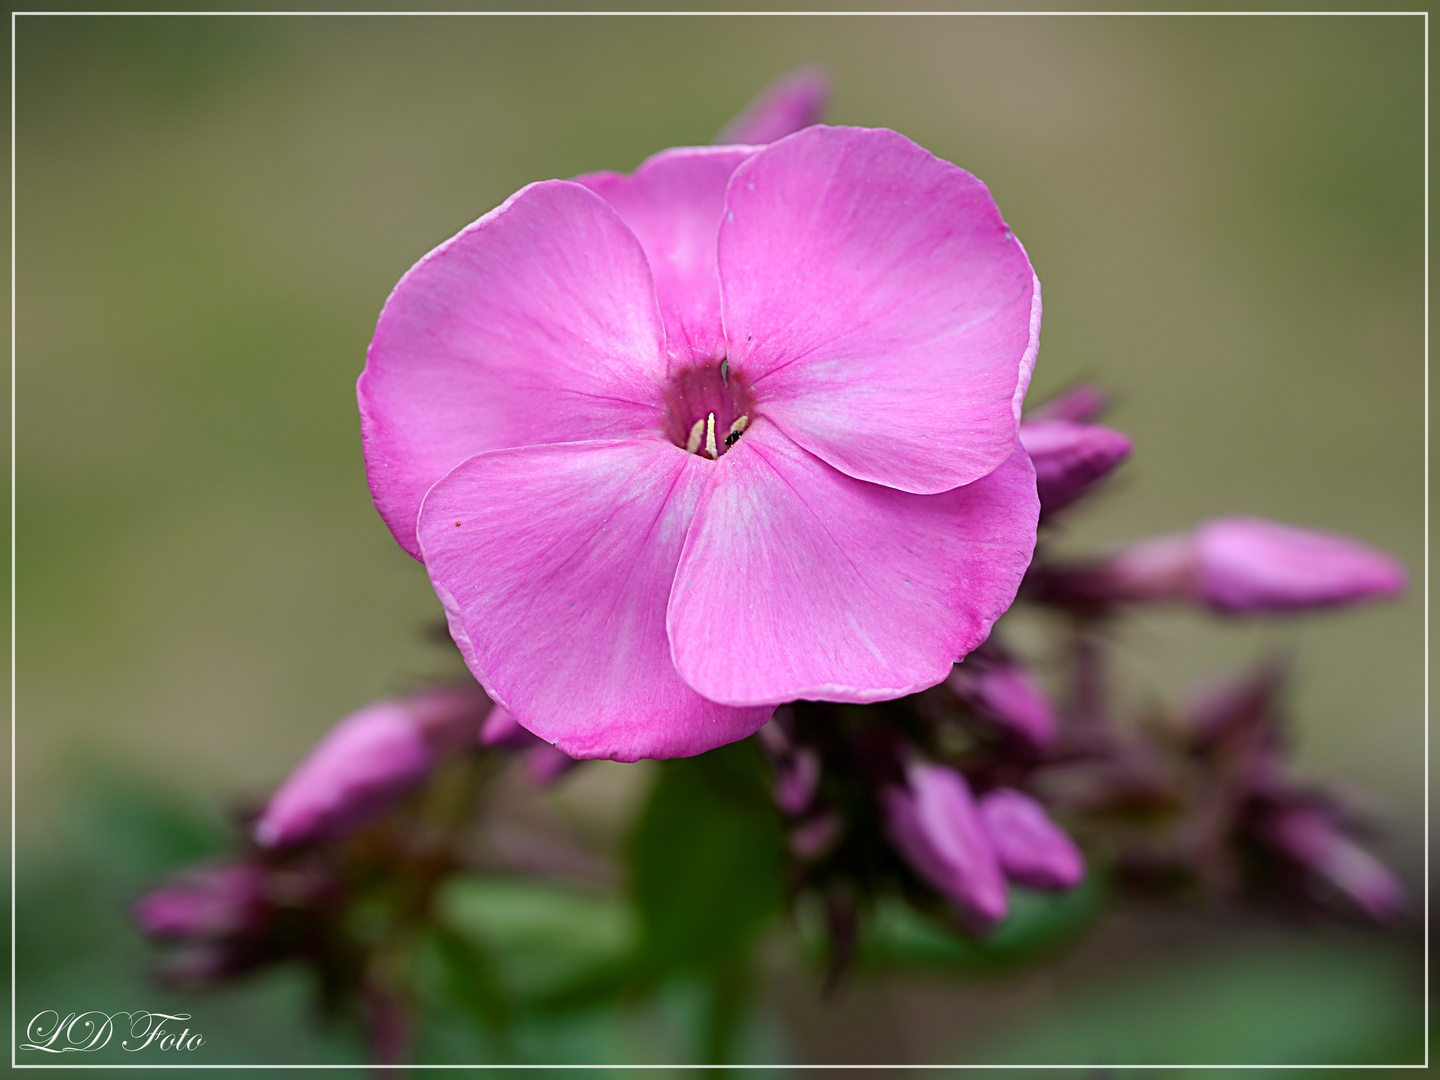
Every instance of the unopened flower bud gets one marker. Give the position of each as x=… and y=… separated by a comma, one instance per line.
x=1070, y=458
x=1309, y=836
x=503, y=730
x=216, y=902
x=792, y=102
x=1239, y=565
x=816, y=836
x=1032, y=849
x=367, y=761
x=1008, y=696
x=796, y=781
x=1249, y=564
x=935, y=825
x=544, y=764
x=1243, y=703
x=1081, y=403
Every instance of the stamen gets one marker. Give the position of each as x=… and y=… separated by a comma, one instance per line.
x=735, y=429
x=710, y=447
x=725, y=372
x=697, y=432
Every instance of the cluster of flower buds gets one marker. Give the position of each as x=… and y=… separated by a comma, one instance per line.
x=949, y=794
x=376, y=817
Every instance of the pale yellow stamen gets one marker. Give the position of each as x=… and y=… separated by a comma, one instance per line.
x=710, y=447
x=739, y=425
x=697, y=432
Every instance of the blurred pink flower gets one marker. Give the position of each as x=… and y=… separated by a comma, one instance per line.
x=934, y=823
x=368, y=760
x=733, y=430
x=1032, y=849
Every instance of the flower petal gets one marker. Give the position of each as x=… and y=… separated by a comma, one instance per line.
x=673, y=203
x=536, y=324
x=798, y=581
x=883, y=312
x=554, y=564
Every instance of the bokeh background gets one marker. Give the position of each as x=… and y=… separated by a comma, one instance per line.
x=1226, y=214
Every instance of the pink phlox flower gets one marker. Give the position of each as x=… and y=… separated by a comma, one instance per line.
x=935, y=825
x=736, y=429
x=367, y=761
x=1032, y=849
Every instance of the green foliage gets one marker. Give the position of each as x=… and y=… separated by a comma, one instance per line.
x=705, y=863
x=539, y=943
x=899, y=937
x=705, y=859
x=1294, y=999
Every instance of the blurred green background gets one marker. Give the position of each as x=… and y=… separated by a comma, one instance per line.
x=1226, y=215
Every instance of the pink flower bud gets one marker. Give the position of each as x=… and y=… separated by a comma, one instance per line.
x=1007, y=695
x=934, y=823
x=368, y=760
x=1309, y=836
x=1242, y=565
x=1081, y=403
x=788, y=104
x=544, y=764
x=1239, y=705
x=797, y=778
x=816, y=836
x=1032, y=849
x=217, y=902
x=502, y=729
x=1070, y=458
x=1249, y=564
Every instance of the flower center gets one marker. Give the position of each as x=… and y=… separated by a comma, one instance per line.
x=707, y=408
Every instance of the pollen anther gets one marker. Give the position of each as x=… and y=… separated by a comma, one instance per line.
x=710, y=447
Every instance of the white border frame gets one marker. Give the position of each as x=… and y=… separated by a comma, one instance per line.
x=1425, y=583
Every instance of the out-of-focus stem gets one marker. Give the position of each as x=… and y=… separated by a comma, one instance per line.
x=1088, y=711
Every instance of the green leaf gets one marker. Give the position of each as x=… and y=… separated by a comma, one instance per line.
x=706, y=859
x=542, y=939
x=1294, y=998
x=899, y=936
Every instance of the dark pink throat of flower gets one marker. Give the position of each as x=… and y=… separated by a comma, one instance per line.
x=707, y=408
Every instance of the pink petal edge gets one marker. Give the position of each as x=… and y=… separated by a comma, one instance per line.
x=536, y=324
x=868, y=593
x=885, y=314
x=554, y=564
